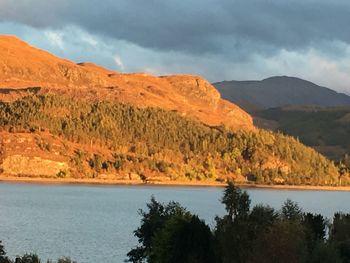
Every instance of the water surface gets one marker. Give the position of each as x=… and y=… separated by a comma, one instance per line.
x=95, y=223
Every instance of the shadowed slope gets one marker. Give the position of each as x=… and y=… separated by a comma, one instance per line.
x=279, y=91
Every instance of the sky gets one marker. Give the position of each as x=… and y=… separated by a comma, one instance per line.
x=217, y=39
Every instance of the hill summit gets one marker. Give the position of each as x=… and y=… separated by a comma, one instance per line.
x=24, y=69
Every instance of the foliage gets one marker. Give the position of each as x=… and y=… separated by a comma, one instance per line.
x=183, y=239
x=325, y=253
x=236, y=202
x=291, y=211
x=168, y=233
x=28, y=258
x=315, y=230
x=3, y=258
x=314, y=127
x=152, y=140
x=65, y=260
x=152, y=221
x=283, y=242
x=2, y=250
x=340, y=234
x=346, y=161
x=243, y=235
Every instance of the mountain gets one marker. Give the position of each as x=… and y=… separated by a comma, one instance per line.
x=23, y=66
x=59, y=119
x=277, y=92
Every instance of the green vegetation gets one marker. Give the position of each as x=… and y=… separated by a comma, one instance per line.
x=184, y=237
x=318, y=127
x=154, y=141
x=29, y=258
x=169, y=233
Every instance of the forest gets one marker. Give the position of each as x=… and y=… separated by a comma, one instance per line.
x=324, y=128
x=151, y=141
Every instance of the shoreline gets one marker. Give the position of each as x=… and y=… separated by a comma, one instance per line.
x=112, y=182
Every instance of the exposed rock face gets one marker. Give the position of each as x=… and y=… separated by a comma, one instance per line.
x=22, y=66
x=25, y=154
x=32, y=166
x=197, y=90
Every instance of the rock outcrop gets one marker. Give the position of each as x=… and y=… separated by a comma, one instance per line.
x=20, y=165
x=23, y=66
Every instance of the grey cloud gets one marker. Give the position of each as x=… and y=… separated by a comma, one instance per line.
x=196, y=26
x=218, y=39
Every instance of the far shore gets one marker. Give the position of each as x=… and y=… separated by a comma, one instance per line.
x=110, y=182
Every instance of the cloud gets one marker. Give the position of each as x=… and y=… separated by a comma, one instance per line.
x=218, y=39
x=118, y=61
x=90, y=40
x=55, y=38
x=199, y=26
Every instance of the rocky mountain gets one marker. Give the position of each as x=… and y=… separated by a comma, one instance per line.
x=23, y=66
x=279, y=91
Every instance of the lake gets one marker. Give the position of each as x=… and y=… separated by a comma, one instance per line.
x=95, y=223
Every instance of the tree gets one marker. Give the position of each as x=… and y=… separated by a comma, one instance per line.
x=232, y=240
x=340, y=234
x=237, y=203
x=291, y=211
x=184, y=238
x=3, y=258
x=2, y=250
x=317, y=225
x=315, y=229
x=28, y=258
x=261, y=218
x=325, y=253
x=282, y=242
x=232, y=230
x=65, y=260
x=152, y=221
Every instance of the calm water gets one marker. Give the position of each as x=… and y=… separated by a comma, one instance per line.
x=95, y=223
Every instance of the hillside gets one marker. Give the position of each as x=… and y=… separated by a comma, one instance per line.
x=23, y=67
x=324, y=128
x=277, y=92
x=61, y=119
x=50, y=136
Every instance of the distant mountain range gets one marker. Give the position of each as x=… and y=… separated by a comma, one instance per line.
x=279, y=91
